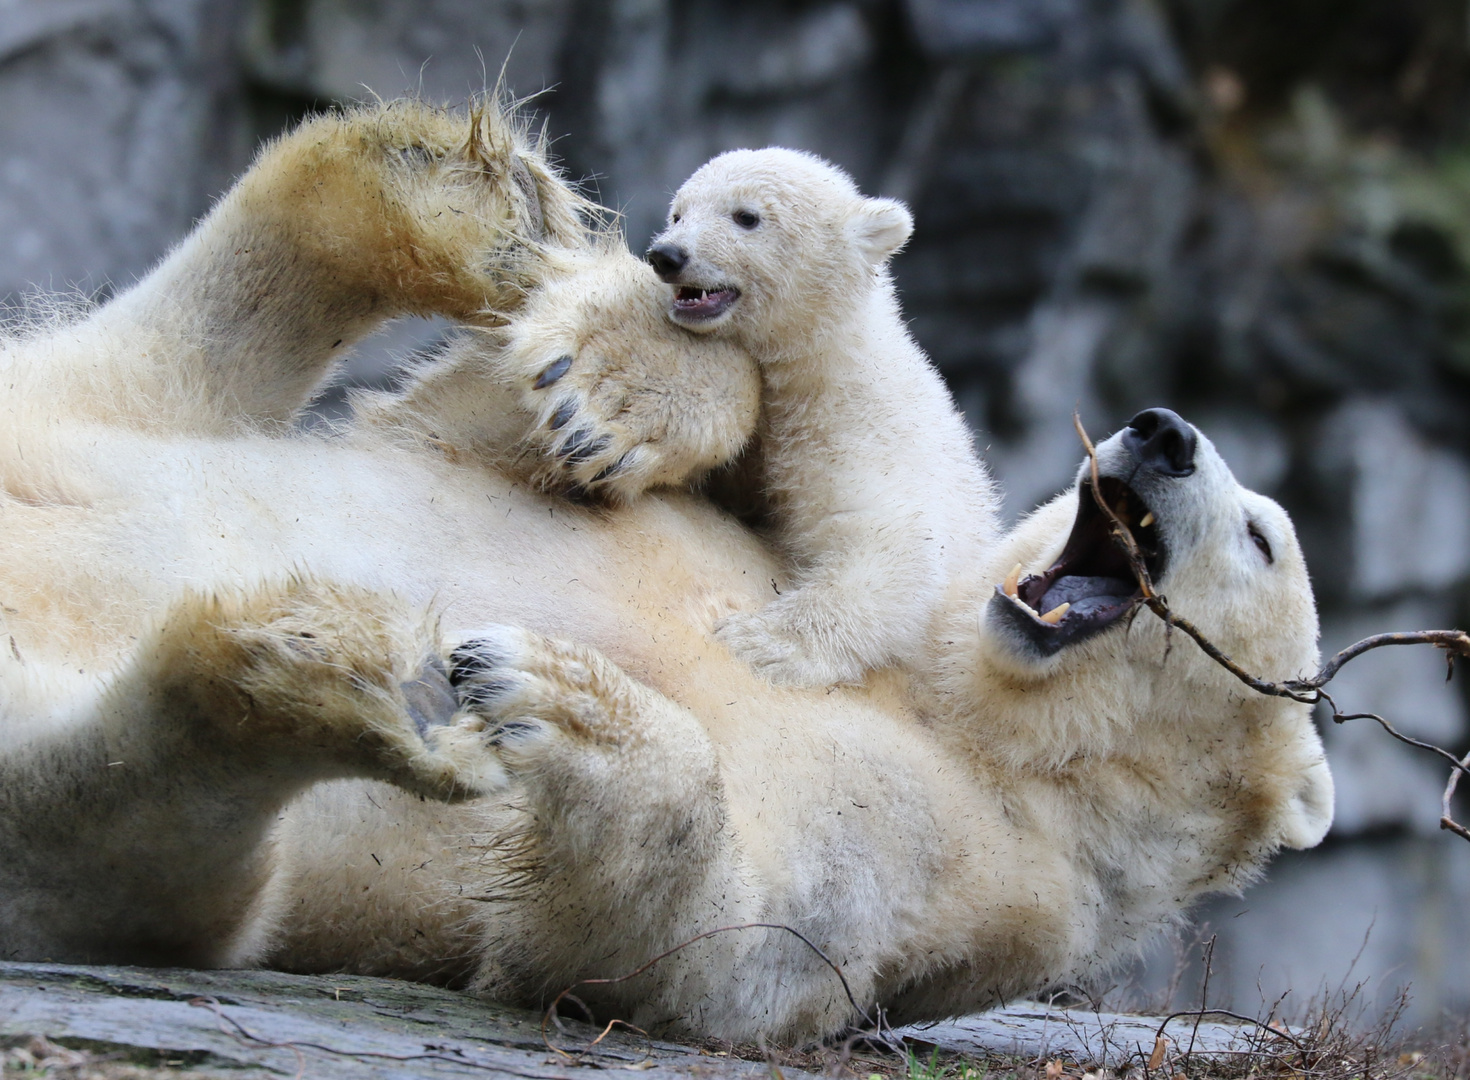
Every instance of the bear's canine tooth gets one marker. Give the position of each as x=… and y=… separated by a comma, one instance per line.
x=1013, y=579
x=1055, y=615
x=1148, y=519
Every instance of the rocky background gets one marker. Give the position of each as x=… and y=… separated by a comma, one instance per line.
x=1254, y=211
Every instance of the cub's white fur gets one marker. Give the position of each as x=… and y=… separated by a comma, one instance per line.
x=368, y=703
x=878, y=495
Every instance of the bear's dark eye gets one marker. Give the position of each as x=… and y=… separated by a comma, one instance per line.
x=675, y=219
x=746, y=219
x=1260, y=541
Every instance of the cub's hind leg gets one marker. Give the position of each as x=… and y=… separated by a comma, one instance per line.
x=141, y=830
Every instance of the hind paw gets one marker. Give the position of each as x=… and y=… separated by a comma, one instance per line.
x=538, y=698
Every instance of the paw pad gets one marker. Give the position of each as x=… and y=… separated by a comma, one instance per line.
x=430, y=698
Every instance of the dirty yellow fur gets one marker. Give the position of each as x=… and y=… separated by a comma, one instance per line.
x=370, y=703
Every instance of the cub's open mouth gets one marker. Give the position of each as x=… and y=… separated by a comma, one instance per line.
x=693, y=304
x=1091, y=586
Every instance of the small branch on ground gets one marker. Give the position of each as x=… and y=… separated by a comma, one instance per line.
x=1307, y=691
x=877, y=1027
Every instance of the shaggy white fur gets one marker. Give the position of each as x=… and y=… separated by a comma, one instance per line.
x=313, y=702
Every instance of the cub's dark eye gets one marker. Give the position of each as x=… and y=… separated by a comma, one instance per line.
x=746, y=219
x=675, y=219
x=1260, y=541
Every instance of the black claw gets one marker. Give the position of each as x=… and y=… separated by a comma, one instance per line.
x=588, y=451
x=510, y=729
x=574, y=442
x=552, y=373
x=563, y=415
x=481, y=693
x=616, y=467
x=473, y=660
x=478, y=673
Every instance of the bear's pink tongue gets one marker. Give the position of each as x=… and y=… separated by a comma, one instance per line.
x=703, y=303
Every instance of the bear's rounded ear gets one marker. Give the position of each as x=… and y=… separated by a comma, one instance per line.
x=879, y=227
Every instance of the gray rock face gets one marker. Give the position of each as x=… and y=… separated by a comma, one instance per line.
x=120, y=119
x=1410, y=503
x=446, y=50
x=1357, y=923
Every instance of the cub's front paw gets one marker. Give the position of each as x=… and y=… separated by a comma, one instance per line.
x=782, y=651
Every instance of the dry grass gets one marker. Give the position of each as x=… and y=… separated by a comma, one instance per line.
x=1333, y=1042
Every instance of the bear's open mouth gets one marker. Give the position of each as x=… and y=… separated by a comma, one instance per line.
x=693, y=304
x=1092, y=585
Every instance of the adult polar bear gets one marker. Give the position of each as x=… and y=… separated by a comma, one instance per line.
x=229, y=720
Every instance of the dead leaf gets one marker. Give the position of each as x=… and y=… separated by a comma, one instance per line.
x=1161, y=1047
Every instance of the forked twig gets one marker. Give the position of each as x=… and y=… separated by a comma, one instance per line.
x=1307, y=691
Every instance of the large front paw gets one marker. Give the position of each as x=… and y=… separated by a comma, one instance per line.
x=785, y=652
x=410, y=208
x=593, y=439
x=624, y=400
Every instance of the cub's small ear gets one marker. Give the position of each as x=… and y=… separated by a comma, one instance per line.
x=879, y=227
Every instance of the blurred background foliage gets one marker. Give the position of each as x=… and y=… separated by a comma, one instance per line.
x=1254, y=211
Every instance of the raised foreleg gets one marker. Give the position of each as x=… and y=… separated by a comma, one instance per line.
x=141, y=830
x=349, y=220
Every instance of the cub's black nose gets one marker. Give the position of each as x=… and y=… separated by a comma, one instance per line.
x=667, y=259
x=1162, y=440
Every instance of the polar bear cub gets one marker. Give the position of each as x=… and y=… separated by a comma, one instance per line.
x=876, y=490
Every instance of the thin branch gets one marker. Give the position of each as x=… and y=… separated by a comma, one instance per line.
x=1454, y=642
x=1204, y=995
x=551, y=1009
x=1121, y=533
x=1446, y=820
x=1306, y=691
x=1199, y=1014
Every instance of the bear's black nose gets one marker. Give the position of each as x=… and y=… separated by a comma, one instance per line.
x=1163, y=441
x=667, y=260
